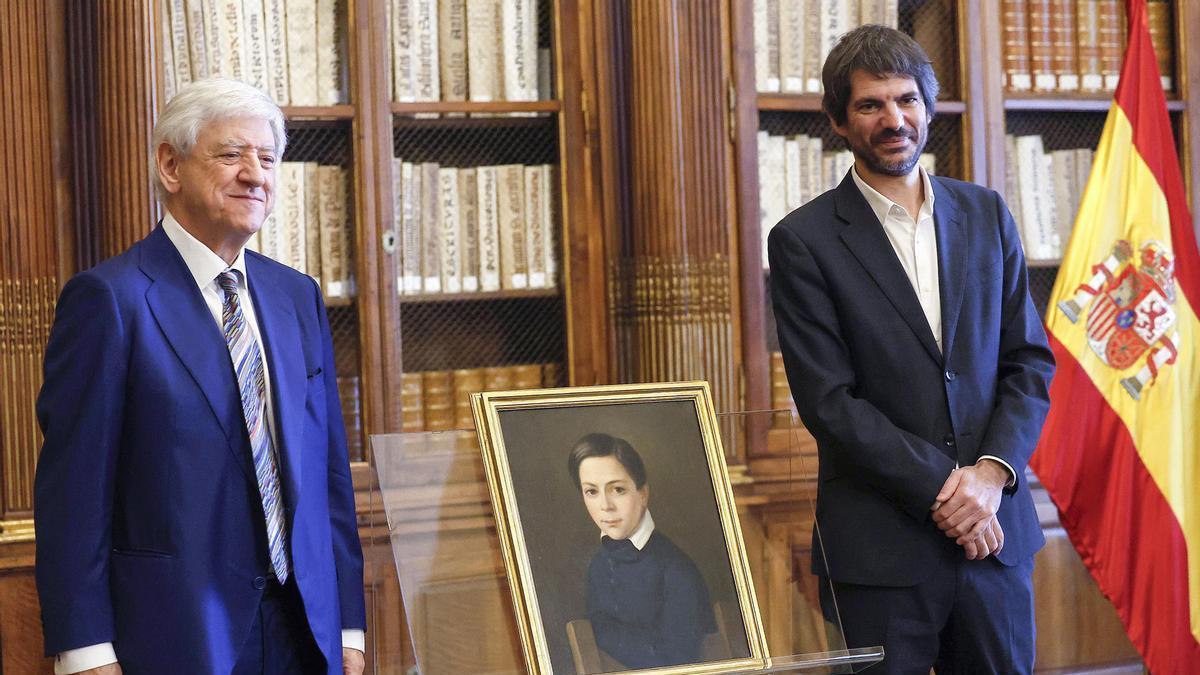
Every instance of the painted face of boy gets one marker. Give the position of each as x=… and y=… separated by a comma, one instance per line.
x=613, y=500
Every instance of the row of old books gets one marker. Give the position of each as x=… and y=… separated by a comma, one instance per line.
x=474, y=229
x=1069, y=46
x=1044, y=190
x=792, y=38
x=781, y=394
x=794, y=169
x=467, y=50
x=438, y=400
x=309, y=229
x=287, y=48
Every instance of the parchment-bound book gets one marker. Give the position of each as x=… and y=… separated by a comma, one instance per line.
x=813, y=167
x=535, y=240
x=1087, y=45
x=213, y=30
x=197, y=39
x=403, y=87
x=256, y=67
x=792, y=31
x=176, y=18
x=275, y=20
x=301, y=22
x=488, y=204
x=312, y=219
x=514, y=260
x=452, y=44
x=485, y=76
x=329, y=59
x=397, y=175
x=431, y=253
x=233, y=39
x=762, y=59
x=1012, y=183
x=426, y=78
x=837, y=18
x=519, y=40
x=545, y=79
x=168, y=55
x=335, y=259
x=793, y=173
x=448, y=215
x=814, y=44
x=468, y=195
x=1050, y=206
x=1062, y=175
x=410, y=227
x=293, y=235
x=550, y=221
x=1031, y=172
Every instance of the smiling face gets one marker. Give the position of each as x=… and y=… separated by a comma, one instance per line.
x=224, y=189
x=612, y=498
x=887, y=124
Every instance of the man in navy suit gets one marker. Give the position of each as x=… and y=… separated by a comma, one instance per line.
x=918, y=362
x=193, y=501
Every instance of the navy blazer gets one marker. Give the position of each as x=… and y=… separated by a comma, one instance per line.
x=150, y=531
x=890, y=413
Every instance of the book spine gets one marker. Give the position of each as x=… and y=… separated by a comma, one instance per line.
x=197, y=39
x=180, y=54
x=468, y=193
x=169, y=84
x=814, y=44
x=497, y=378
x=425, y=61
x=213, y=33
x=1012, y=190
x=431, y=255
x=312, y=219
x=1062, y=21
x=527, y=376
x=277, y=49
x=484, y=67
x=301, y=22
x=792, y=173
x=514, y=265
x=1041, y=45
x=452, y=42
x=334, y=254
x=1111, y=41
x=404, y=90
x=1158, y=19
x=450, y=246
x=398, y=188
x=487, y=203
x=792, y=30
x=329, y=62
x=549, y=223
x=412, y=402
x=761, y=57
x=465, y=381
x=410, y=227
x=439, y=400
x=519, y=40
x=257, y=69
x=1087, y=45
x=535, y=195
x=293, y=236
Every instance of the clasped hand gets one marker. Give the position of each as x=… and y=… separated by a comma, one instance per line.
x=965, y=508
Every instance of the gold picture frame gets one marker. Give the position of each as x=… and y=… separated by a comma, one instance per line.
x=545, y=504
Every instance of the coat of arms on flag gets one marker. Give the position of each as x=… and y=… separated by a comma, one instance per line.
x=1130, y=311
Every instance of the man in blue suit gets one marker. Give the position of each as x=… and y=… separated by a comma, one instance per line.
x=919, y=364
x=193, y=500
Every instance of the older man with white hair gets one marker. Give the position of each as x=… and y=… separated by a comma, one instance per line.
x=193, y=500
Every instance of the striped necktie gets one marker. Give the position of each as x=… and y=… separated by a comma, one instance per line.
x=247, y=364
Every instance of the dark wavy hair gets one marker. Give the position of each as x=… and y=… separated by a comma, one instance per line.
x=882, y=52
x=603, y=445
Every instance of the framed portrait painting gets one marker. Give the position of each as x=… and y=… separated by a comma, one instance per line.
x=619, y=531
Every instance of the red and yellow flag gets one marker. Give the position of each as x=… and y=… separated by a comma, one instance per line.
x=1120, y=452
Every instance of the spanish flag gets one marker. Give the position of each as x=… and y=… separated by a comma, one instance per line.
x=1120, y=452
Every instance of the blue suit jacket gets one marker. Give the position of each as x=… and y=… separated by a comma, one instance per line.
x=150, y=532
x=892, y=415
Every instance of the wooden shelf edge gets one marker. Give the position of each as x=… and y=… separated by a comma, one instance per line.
x=1071, y=104
x=553, y=106
x=426, y=298
x=318, y=113
x=812, y=103
x=1048, y=263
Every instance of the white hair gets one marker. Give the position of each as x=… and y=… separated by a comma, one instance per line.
x=204, y=101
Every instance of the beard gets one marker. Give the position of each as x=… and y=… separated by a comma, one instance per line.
x=891, y=164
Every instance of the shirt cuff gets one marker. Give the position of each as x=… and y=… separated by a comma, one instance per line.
x=84, y=658
x=354, y=638
x=1012, y=475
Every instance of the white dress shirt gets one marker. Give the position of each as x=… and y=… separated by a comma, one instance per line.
x=915, y=244
x=641, y=534
x=204, y=266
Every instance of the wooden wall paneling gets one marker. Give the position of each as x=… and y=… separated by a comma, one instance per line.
x=975, y=124
x=84, y=124
x=986, y=85
x=581, y=237
x=126, y=96
x=32, y=170
x=1187, y=21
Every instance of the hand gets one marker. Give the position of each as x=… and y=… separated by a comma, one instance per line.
x=989, y=542
x=969, y=497
x=353, y=661
x=106, y=669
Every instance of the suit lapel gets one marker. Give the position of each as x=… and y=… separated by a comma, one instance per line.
x=280, y=332
x=865, y=238
x=185, y=320
x=952, y=259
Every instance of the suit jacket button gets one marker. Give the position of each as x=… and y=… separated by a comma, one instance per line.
x=948, y=439
x=950, y=375
x=260, y=583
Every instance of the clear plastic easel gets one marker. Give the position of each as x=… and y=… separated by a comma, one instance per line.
x=451, y=569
